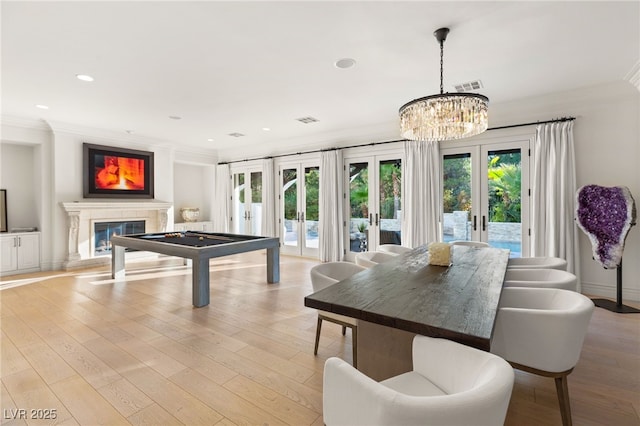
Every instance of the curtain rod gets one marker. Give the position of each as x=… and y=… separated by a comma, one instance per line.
x=554, y=120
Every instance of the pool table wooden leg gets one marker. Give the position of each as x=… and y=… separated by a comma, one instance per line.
x=117, y=262
x=200, y=282
x=273, y=265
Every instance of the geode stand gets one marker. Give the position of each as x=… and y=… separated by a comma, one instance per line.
x=616, y=306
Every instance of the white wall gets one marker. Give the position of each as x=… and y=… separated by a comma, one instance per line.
x=191, y=189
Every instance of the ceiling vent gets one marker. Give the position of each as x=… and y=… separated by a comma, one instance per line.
x=307, y=120
x=466, y=87
x=236, y=135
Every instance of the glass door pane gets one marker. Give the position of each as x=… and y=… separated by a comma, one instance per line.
x=256, y=203
x=311, y=211
x=390, y=179
x=359, y=206
x=239, y=211
x=290, y=199
x=504, y=196
x=456, y=197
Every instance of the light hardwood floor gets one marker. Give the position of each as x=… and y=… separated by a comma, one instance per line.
x=99, y=352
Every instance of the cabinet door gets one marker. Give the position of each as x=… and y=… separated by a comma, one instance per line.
x=28, y=251
x=8, y=253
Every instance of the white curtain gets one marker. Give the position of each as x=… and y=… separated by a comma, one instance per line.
x=553, y=229
x=268, y=199
x=331, y=217
x=222, y=199
x=421, y=193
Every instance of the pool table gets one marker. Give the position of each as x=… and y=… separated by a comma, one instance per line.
x=199, y=247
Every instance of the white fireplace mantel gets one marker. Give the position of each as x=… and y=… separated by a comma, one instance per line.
x=83, y=214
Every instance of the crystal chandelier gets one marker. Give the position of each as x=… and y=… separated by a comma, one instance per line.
x=447, y=116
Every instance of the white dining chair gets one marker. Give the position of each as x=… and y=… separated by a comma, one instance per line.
x=479, y=244
x=369, y=259
x=548, y=262
x=450, y=384
x=541, y=278
x=323, y=276
x=541, y=331
x=393, y=249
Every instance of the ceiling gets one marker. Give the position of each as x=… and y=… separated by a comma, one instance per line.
x=240, y=67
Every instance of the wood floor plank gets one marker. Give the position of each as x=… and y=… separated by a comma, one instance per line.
x=125, y=397
x=12, y=359
x=49, y=365
x=182, y=404
x=154, y=415
x=198, y=362
x=281, y=407
x=237, y=409
x=85, y=403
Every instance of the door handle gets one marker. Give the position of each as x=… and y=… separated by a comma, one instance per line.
x=484, y=223
x=370, y=219
x=298, y=216
x=376, y=219
x=475, y=222
x=302, y=217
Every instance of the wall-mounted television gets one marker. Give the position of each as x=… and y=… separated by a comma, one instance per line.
x=116, y=172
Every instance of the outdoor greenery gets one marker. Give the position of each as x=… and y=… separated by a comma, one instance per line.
x=504, y=174
x=390, y=184
x=312, y=186
x=505, y=181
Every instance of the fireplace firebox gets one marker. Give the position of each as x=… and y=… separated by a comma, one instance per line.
x=104, y=230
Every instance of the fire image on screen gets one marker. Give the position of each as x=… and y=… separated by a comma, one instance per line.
x=114, y=172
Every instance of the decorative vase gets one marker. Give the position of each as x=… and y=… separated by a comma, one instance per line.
x=190, y=214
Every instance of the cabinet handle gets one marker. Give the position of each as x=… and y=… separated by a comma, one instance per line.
x=15, y=242
x=19, y=242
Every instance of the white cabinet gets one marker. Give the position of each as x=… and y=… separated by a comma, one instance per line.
x=193, y=226
x=20, y=252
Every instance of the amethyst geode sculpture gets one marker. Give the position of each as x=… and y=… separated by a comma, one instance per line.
x=606, y=214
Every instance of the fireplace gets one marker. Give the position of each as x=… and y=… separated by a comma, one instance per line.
x=85, y=248
x=102, y=232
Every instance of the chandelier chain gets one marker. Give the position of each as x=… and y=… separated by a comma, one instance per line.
x=441, y=66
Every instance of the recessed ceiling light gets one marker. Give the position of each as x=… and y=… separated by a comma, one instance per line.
x=42, y=106
x=175, y=117
x=345, y=63
x=84, y=77
x=209, y=140
x=266, y=129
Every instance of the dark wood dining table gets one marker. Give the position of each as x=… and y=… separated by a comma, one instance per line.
x=405, y=296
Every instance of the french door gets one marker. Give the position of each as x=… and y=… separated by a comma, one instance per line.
x=299, y=208
x=373, y=210
x=486, y=195
x=247, y=202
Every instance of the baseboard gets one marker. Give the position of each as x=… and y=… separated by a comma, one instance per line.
x=609, y=292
